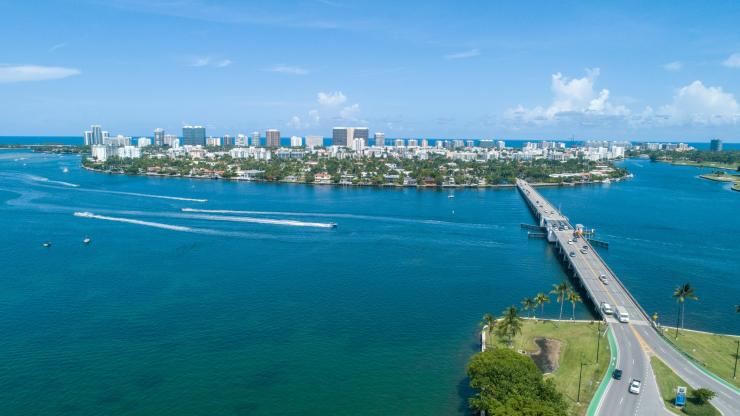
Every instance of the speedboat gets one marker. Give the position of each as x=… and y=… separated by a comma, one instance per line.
x=65, y=170
x=46, y=244
x=86, y=240
x=450, y=196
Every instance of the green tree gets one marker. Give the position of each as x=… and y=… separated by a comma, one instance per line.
x=510, y=324
x=509, y=383
x=573, y=298
x=683, y=292
x=488, y=323
x=560, y=289
x=529, y=304
x=703, y=395
x=541, y=299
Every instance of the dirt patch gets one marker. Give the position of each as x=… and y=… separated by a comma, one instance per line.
x=548, y=356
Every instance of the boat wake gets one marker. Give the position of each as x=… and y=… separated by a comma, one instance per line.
x=137, y=222
x=292, y=223
x=50, y=181
x=172, y=198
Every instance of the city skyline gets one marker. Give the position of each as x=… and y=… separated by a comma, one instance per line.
x=628, y=71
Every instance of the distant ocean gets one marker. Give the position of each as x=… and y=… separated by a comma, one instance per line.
x=286, y=141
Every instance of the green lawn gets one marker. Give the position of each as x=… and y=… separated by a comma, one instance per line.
x=720, y=165
x=667, y=383
x=715, y=352
x=577, y=339
x=721, y=178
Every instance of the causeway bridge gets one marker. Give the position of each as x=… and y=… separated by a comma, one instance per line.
x=636, y=340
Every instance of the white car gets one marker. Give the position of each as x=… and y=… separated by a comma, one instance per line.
x=607, y=308
x=635, y=386
x=604, y=279
x=570, y=242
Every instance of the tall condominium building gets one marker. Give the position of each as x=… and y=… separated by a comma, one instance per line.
x=143, y=142
x=158, y=137
x=194, y=135
x=314, y=141
x=296, y=141
x=171, y=140
x=228, y=140
x=241, y=140
x=94, y=135
x=715, y=145
x=379, y=139
x=341, y=136
x=256, y=139
x=361, y=133
x=273, y=138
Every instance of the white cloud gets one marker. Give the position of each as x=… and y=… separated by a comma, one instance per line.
x=463, y=55
x=223, y=63
x=295, y=122
x=290, y=70
x=315, y=116
x=331, y=98
x=201, y=61
x=23, y=73
x=673, y=66
x=699, y=104
x=571, y=98
x=58, y=46
x=733, y=61
x=350, y=112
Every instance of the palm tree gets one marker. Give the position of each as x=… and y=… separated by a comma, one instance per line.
x=489, y=321
x=541, y=299
x=574, y=298
x=529, y=304
x=683, y=292
x=510, y=325
x=560, y=289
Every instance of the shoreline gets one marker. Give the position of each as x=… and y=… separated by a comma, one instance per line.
x=497, y=186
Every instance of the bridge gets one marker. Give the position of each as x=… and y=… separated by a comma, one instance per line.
x=636, y=340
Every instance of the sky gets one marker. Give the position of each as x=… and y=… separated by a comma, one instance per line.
x=658, y=70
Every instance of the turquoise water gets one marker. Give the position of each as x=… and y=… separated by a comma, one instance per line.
x=377, y=316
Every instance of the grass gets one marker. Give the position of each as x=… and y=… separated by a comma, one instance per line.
x=721, y=178
x=577, y=339
x=667, y=383
x=713, y=351
x=731, y=166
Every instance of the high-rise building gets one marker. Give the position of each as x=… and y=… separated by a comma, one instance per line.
x=170, y=139
x=379, y=139
x=296, y=141
x=715, y=145
x=241, y=140
x=228, y=140
x=314, y=141
x=194, y=135
x=255, y=139
x=341, y=136
x=158, y=137
x=358, y=144
x=213, y=141
x=361, y=133
x=273, y=138
x=105, y=136
x=94, y=135
x=143, y=142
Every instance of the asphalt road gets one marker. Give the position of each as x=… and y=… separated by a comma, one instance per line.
x=637, y=340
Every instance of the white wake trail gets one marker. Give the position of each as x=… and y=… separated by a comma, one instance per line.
x=261, y=221
x=137, y=222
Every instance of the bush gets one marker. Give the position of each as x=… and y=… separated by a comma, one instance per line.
x=704, y=395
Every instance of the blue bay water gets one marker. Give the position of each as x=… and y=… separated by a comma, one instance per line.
x=377, y=316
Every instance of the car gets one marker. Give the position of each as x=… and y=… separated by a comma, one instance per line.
x=604, y=279
x=584, y=251
x=607, y=308
x=570, y=242
x=585, y=247
x=617, y=374
x=572, y=253
x=635, y=386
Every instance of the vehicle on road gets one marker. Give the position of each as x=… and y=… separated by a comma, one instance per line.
x=607, y=308
x=603, y=279
x=583, y=251
x=572, y=253
x=635, y=386
x=617, y=374
x=622, y=315
x=570, y=242
x=585, y=247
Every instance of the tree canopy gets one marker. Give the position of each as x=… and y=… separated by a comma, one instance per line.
x=508, y=383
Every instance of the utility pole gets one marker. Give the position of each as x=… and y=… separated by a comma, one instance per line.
x=580, y=372
x=737, y=350
x=598, y=342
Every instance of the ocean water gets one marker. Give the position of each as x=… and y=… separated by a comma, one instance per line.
x=178, y=312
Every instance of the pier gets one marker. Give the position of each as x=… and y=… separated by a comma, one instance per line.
x=637, y=339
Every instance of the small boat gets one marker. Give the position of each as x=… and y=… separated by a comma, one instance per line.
x=46, y=244
x=450, y=196
x=333, y=225
x=87, y=240
x=65, y=170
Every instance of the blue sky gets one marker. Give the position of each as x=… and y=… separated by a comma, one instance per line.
x=619, y=70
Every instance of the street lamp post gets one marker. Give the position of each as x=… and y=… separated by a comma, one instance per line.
x=737, y=350
x=580, y=372
x=598, y=342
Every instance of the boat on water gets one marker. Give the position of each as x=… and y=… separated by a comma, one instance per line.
x=65, y=170
x=87, y=240
x=450, y=196
x=46, y=244
x=333, y=225
x=84, y=214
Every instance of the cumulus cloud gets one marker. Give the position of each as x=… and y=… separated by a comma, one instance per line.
x=673, y=66
x=571, y=98
x=733, y=61
x=698, y=104
x=25, y=73
x=201, y=61
x=463, y=55
x=295, y=122
x=289, y=70
x=331, y=98
x=223, y=63
x=315, y=116
x=350, y=112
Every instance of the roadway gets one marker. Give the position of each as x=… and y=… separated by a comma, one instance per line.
x=637, y=340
